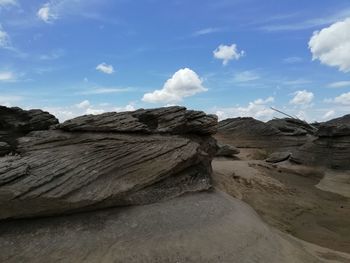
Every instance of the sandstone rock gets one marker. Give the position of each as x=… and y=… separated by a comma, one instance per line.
x=251, y=133
x=174, y=120
x=226, y=150
x=15, y=122
x=331, y=148
x=277, y=157
x=112, y=159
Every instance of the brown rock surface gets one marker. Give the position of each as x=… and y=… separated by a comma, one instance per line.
x=113, y=159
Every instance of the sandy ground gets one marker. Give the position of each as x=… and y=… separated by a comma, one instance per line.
x=200, y=227
x=306, y=202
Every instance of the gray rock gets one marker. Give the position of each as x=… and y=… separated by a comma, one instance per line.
x=174, y=120
x=226, y=150
x=331, y=148
x=280, y=135
x=15, y=122
x=277, y=157
x=5, y=148
x=105, y=160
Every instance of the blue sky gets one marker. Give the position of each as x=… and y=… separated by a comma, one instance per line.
x=231, y=58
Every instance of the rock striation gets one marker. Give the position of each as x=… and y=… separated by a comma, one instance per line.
x=281, y=134
x=331, y=148
x=107, y=160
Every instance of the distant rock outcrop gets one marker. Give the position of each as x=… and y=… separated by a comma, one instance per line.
x=15, y=122
x=331, y=148
x=112, y=159
x=273, y=135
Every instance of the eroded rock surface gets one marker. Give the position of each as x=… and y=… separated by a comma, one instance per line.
x=273, y=135
x=112, y=159
x=331, y=148
x=15, y=122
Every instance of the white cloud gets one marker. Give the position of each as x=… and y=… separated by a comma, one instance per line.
x=6, y=76
x=184, y=83
x=339, y=84
x=328, y=114
x=105, y=68
x=331, y=45
x=46, y=14
x=246, y=76
x=5, y=41
x=302, y=97
x=83, y=105
x=4, y=3
x=227, y=53
x=343, y=99
x=257, y=109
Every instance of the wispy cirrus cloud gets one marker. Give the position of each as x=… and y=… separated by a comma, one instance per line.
x=307, y=23
x=207, y=31
x=7, y=3
x=340, y=84
x=105, y=90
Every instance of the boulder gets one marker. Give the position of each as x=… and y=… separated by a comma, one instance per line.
x=226, y=150
x=112, y=159
x=277, y=157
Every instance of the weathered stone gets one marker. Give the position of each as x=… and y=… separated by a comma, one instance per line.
x=15, y=122
x=108, y=160
x=332, y=147
x=251, y=133
x=277, y=157
x=226, y=150
x=174, y=120
x=5, y=148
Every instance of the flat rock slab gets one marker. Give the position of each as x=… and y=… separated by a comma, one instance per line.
x=201, y=227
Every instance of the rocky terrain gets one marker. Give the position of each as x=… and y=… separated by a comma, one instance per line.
x=301, y=189
x=140, y=187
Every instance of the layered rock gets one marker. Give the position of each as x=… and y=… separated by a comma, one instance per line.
x=273, y=135
x=112, y=159
x=331, y=148
x=15, y=122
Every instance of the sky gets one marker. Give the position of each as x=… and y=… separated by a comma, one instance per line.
x=226, y=57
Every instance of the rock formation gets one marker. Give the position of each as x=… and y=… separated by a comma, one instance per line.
x=98, y=161
x=284, y=134
x=331, y=148
x=15, y=122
